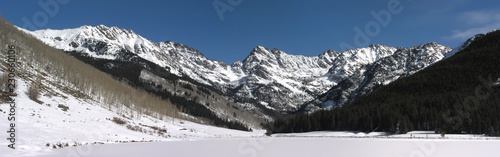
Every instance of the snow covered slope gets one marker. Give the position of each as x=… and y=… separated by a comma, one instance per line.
x=42, y=127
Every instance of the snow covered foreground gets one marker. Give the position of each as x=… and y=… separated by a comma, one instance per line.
x=295, y=147
x=87, y=124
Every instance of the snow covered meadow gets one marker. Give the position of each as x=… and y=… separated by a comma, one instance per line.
x=296, y=147
x=83, y=127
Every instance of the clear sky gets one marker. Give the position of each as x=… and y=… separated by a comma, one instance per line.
x=296, y=27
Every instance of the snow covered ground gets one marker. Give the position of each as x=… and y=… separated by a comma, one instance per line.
x=295, y=147
x=88, y=130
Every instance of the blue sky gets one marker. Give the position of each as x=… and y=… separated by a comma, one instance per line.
x=296, y=27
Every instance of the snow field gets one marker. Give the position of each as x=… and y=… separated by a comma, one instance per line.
x=299, y=147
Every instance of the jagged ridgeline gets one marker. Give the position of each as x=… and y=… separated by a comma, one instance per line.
x=38, y=62
x=460, y=94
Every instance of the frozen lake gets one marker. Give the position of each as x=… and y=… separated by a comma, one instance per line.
x=294, y=147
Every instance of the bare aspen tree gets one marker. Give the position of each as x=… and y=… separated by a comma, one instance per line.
x=4, y=81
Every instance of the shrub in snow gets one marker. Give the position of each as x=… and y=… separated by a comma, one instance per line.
x=63, y=107
x=33, y=92
x=119, y=121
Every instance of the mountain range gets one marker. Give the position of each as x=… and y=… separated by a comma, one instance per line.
x=268, y=81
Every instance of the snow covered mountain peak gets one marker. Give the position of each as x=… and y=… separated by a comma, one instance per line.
x=352, y=60
x=371, y=53
x=432, y=49
x=330, y=52
x=105, y=33
x=99, y=41
x=259, y=52
x=465, y=44
x=185, y=50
